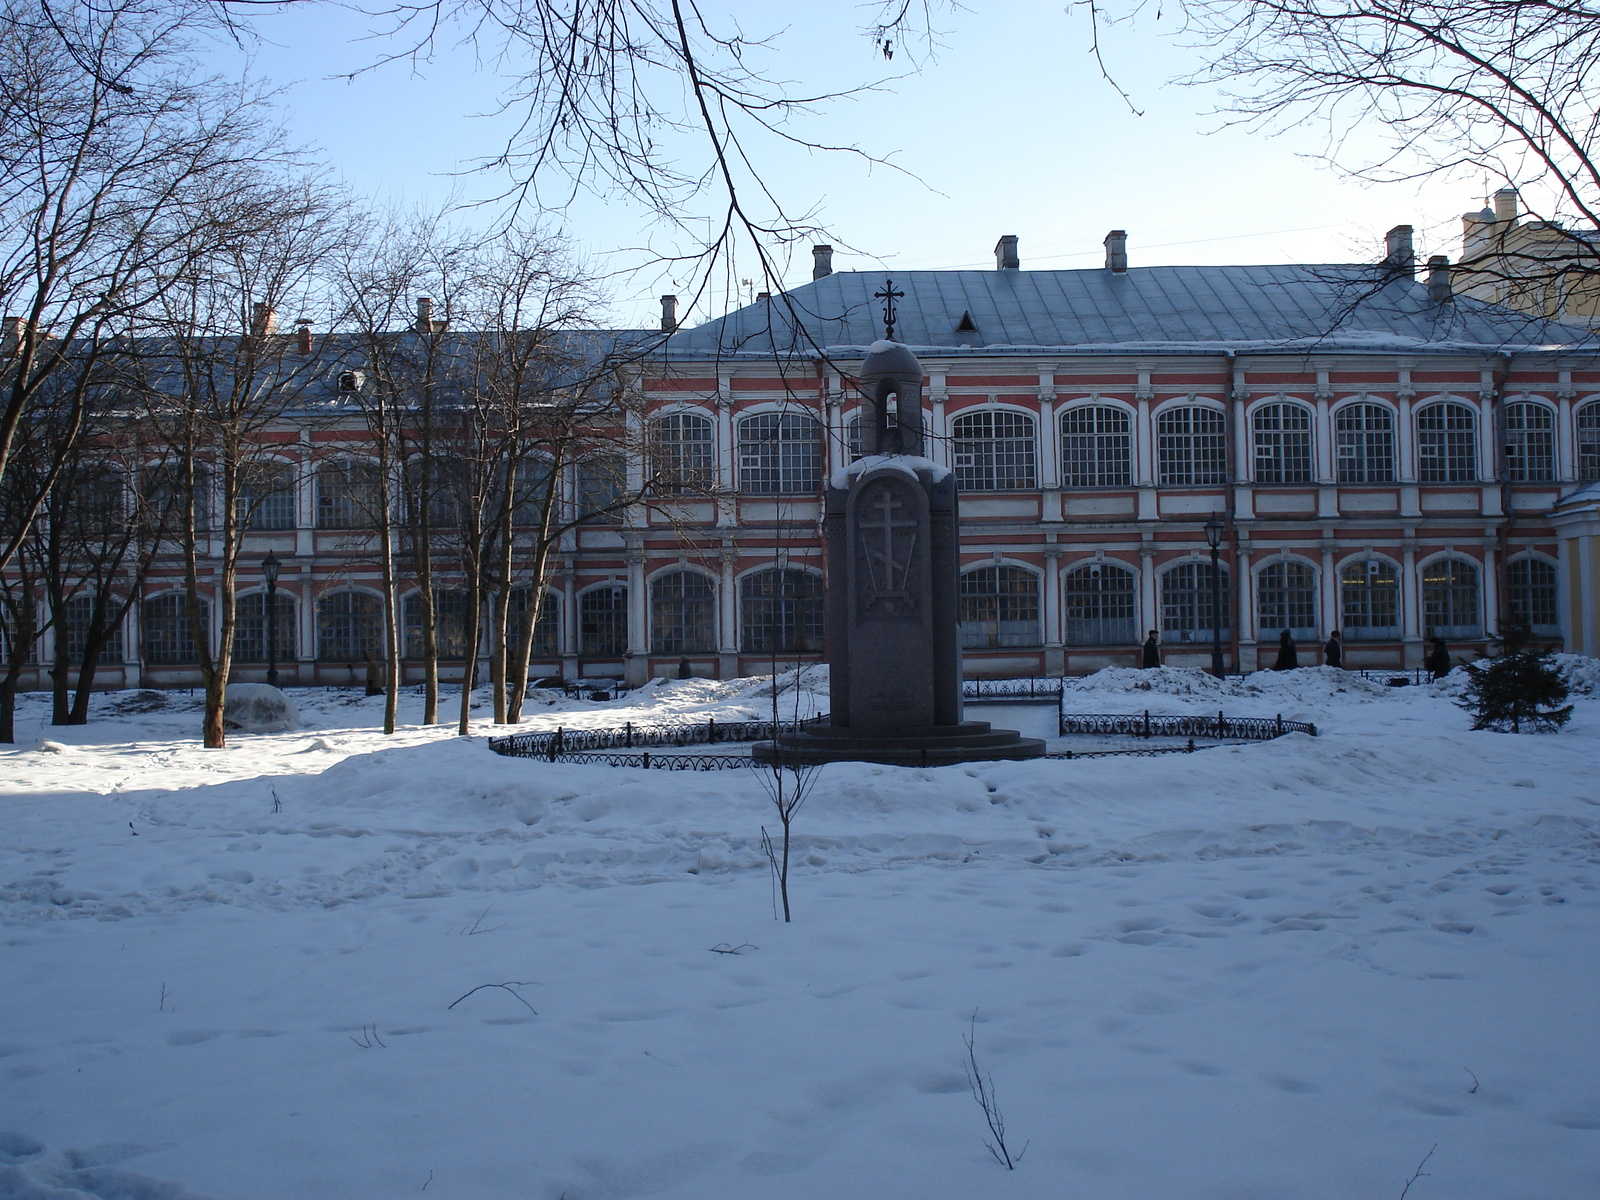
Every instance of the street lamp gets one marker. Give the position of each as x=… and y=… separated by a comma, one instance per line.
x=1214, y=540
x=270, y=566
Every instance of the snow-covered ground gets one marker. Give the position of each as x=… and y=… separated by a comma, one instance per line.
x=1276, y=971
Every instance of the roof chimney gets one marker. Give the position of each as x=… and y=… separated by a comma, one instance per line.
x=1005, y=254
x=425, y=315
x=1439, y=279
x=1117, y=251
x=304, y=337
x=821, y=261
x=11, y=334
x=669, y=314
x=1401, y=258
x=1505, y=206
x=263, y=321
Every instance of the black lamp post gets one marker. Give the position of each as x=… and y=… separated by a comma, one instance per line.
x=270, y=566
x=1214, y=540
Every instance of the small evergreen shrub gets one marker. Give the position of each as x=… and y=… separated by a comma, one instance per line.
x=1519, y=687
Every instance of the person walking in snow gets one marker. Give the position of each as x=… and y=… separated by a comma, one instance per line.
x=1333, y=650
x=1151, y=656
x=1288, y=656
x=1438, y=660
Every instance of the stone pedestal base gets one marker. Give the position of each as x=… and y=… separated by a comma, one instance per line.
x=916, y=746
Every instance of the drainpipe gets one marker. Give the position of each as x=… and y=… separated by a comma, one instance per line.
x=1230, y=364
x=1502, y=533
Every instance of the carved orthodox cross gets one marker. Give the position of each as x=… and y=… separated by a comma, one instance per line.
x=888, y=551
x=889, y=295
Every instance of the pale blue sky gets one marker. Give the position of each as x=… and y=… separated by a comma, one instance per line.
x=1009, y=129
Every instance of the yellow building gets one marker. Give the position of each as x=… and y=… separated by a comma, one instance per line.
x=1540, y=267
x=1577, y=524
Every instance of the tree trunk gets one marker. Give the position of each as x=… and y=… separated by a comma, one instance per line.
x=470, y=667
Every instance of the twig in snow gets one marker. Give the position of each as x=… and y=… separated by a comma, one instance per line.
x=725, y=948
x=1473, y=1090
x=162, y=1007
x=277, y=805
x=135, y=831
x=1419, y=1172
x=982, y=1085
x=427, y=1181
x=476, y=927
x=508, y=986
x=369, y=1038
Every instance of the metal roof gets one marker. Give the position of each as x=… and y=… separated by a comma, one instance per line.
x=1351, y=308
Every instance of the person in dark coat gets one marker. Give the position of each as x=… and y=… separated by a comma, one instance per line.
x=1151, y=657
x=1288, y=656
x=1438, y=660
x=1333, y=650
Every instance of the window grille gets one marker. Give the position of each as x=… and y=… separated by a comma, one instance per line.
x=1447, y=444
x=535, y=488
x=1286, y=598
x=165, y=489
x=451, y=624
x=266, y=496
x=72, y=635
x=250, y=628
x=1450, y=599
x=349, y=627
x=1283, y=443
x=993, y=451
x=1588, y=427
x=779, y=455
x=602, y=483
x=1364, y=443
x=852, y=437
x=1191, y=447
x=603, y=621
x=1186, y=612
x=349, y=494
x=999, y=608
x=1530, y=442
x=8, y=636
x=1095, y=447
x=1532, y=586
x=1369, y=601
x=683, y=452
x=1099, y=605
x=450, y=486
x=780, y=612
x=546, y=627
x=683, y=608
x=164, y=622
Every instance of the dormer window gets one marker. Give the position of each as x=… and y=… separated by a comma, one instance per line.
x=350, y=382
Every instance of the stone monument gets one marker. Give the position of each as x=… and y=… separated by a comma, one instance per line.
x=893, y=645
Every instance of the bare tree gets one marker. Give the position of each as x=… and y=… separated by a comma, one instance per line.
x=106, y=132
x=216, y=375
x=1498, y=90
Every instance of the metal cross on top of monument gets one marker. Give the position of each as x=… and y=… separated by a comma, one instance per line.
x=889, y=295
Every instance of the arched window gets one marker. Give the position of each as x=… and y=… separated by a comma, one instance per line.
x=1191, y=447
x=546, y=627
x=1588, y=426
x=1532, y=586
x=266, y=496
x=852, y=436
x=349, y=494
x=603, y=621
x=1286, y=598
x=1369, y=600
x=1095, y=447
x=535, y=490
x=999, y=608
x=451, y=623
x=683, y=613
x=1447, y=444
x=349, y=627
x=779, y=455
x=1282, y=435
x=1364, y=443
x=164, y=622
x=780, y=612
x=72, y=636
x=993, y=451
x=250, y=628
x=1186, y=608
x=602, y=484
x=1530, y=441
x=683, y=452
x=1098, y=600
x=1450, y=607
